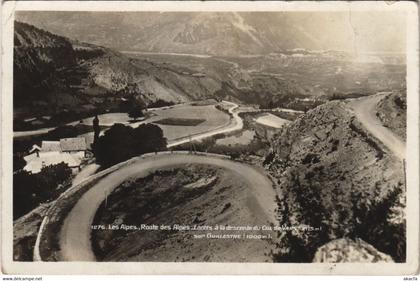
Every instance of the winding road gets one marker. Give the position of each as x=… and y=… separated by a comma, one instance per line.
x=75, y=235
x=86, y=171
x=236, y=125
x=365, y=110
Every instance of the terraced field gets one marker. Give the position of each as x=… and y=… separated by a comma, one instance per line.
x=271, y=120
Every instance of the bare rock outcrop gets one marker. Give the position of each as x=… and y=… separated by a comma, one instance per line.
x=392, y=111
x=334, y=176
x=347, y=250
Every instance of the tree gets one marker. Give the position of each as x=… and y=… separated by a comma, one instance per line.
x=29, y=190
x=96, y=128
x=24, y=193
x=18, y=162
x=136, y=113
x=270, y=104
x=130, y=102
x=121, y=142
x=149, y=138
x=53, y=175
x=64, y=116
x=62, y=132
x=116, y=145
x=160, y=103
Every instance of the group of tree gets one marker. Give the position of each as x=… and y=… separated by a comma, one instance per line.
x=121, y=143
x=131, y=102
x=135, y=107
x=60, y=132
x=30, y=190
x=160, y=103
x=136, y=113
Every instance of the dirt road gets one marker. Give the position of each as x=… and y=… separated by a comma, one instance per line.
x=75, y=235
x=87, y=171
x=365, y=110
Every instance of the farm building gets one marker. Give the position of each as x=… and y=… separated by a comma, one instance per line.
x=69, y=150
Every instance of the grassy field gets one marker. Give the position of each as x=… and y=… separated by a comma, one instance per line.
x=176, y=122
x=180, y=121
x=244, y=138
x=109, y=119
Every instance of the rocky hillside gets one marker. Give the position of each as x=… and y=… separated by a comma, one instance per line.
x=347, y=250
x=392, y=111
x=38, y=55
x=25, y=231
x=333, y=176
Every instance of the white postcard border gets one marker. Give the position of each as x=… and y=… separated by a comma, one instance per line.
x=11, y=267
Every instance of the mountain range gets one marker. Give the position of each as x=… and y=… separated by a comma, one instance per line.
x=54, y=74
x=227, y=33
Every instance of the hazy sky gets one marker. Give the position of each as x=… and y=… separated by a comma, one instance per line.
x=378, y=31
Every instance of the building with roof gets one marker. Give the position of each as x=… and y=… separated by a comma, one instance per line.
x=73, y=145
x=71, y=151
x=35, y=149
x=50, y=146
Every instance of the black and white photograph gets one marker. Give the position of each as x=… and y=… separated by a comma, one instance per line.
x=211, y=136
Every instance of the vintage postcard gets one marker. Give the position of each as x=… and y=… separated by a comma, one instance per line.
x=210, y=137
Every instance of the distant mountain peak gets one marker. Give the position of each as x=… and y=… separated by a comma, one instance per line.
x=223, y=33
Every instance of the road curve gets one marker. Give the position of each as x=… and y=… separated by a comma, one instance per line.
x=236, y=125
x=75, y=243
x=19, y=134
x=365, y=110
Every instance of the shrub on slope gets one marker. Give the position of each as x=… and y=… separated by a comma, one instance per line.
x=334, y=176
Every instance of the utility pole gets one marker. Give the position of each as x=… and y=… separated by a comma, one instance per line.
x=106, y=199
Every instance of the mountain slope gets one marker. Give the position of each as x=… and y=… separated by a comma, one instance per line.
x=334, y=176
x=392, y=111
x=227, y=33
x=53, y=74
x=37, y=56
x=57, y=75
